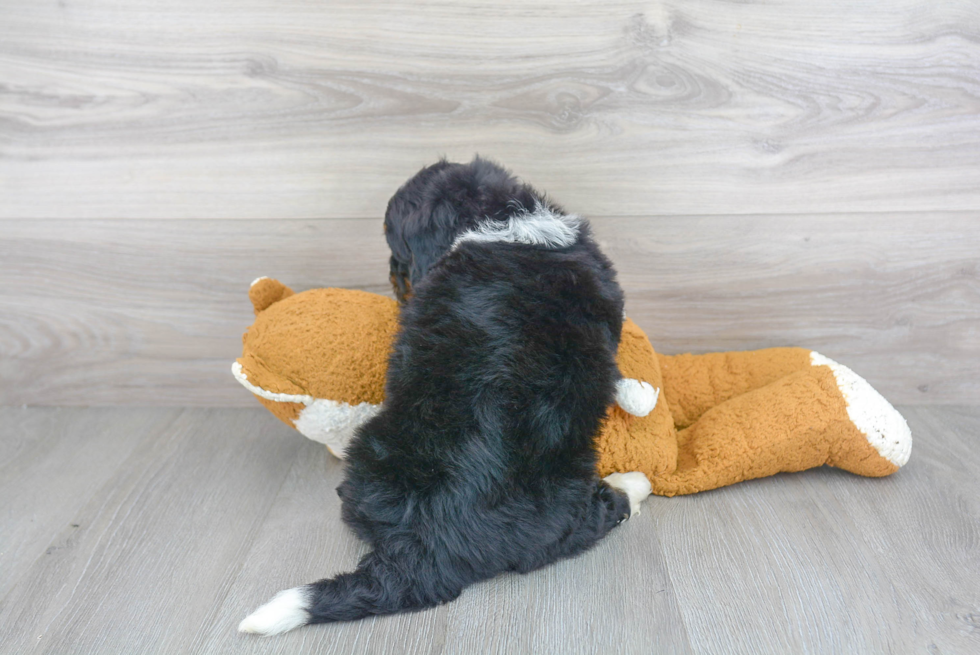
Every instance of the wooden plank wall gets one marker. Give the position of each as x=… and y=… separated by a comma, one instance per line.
x=763, y=173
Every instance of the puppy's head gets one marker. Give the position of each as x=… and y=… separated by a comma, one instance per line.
x=437, y=205
x=409, y=229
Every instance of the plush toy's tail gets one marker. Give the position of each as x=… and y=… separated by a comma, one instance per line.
x=372, y=589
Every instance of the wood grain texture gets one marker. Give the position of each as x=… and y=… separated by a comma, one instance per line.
x=215, y=510
x=841, y=563
x=894, y=297
x=50, y=464
x=923, y=535
x=156, y=545
x=151, y=312
x=309, y=109
x=302, y=540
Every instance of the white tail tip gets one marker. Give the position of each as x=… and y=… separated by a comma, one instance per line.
x=289, y=609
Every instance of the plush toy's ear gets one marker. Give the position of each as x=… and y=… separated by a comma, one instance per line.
x=265, y=291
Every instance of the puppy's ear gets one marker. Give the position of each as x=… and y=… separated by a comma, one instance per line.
x=400, y=281
x=433, y=241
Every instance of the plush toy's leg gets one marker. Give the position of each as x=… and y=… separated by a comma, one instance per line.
x=638, y=433
x=823, y=414
x=693, y=384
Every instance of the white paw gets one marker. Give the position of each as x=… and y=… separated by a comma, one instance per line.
x=287, y=610
x=636, y=397
x=885, y=429
x=634, y=484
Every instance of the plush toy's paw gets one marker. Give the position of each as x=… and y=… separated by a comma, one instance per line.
x=882, y=425
x=635, y=485
x=636, y=397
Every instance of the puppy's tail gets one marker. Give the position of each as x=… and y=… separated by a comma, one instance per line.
x=371, y=589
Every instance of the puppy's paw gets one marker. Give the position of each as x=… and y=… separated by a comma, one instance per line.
x=636, y=397
x=634, y=484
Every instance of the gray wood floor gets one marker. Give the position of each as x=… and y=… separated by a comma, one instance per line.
x=128, y=530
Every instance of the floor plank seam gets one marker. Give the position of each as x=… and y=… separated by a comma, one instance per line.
x=219, y=605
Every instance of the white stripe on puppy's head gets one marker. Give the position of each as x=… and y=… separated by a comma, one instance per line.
x=542, y=227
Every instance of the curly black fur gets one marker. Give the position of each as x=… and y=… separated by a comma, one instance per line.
x=482, y=459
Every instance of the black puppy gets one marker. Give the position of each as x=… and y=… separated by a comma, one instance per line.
x=482, y=459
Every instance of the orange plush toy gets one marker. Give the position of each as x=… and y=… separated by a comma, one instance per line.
x=317, y=360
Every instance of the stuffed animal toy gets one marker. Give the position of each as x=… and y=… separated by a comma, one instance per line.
x=317, y=360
